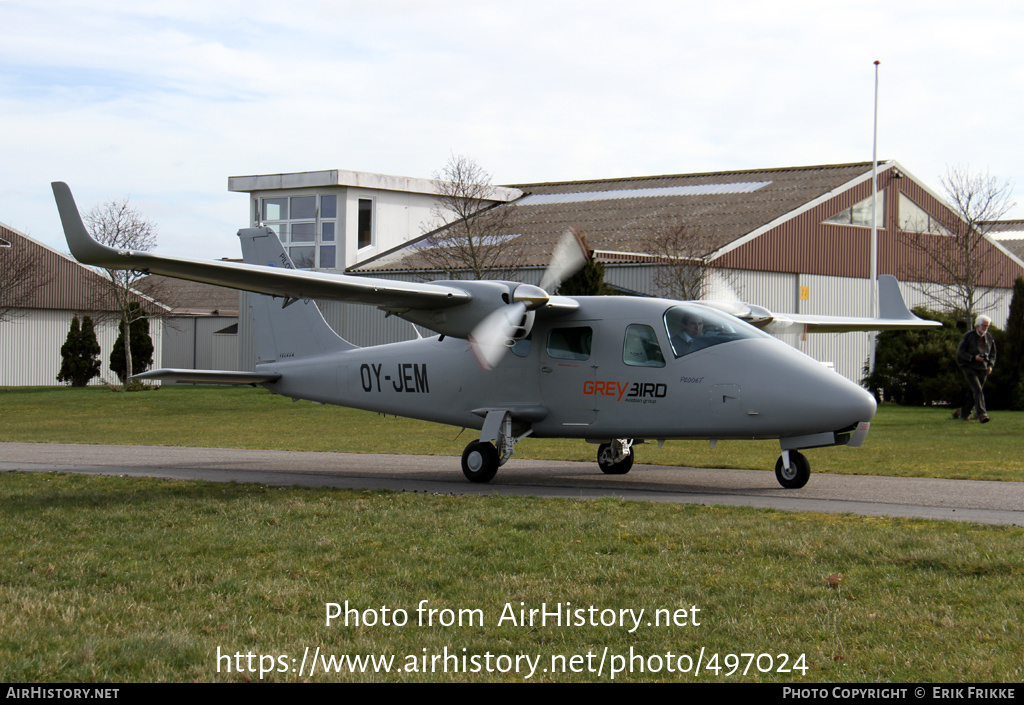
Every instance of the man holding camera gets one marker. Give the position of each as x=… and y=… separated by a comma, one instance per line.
x=976, y=357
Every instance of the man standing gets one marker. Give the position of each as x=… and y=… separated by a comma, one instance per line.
x=976, y=357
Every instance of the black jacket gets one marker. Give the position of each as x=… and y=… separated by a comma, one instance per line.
x=973, y=344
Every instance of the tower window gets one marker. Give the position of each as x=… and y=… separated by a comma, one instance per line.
x=365, y=233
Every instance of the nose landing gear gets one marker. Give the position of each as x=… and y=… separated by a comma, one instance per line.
x=792, y=474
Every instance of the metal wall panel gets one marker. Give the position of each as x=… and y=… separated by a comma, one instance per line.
x=30, y=347
x=224, y=351
x=190, y=342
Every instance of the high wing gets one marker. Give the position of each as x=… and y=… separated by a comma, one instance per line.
x=276, y=279
x=485, y=312
x=456, y=308
x=894, y=315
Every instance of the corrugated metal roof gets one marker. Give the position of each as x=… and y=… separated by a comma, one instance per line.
x=190, y=298
x=626, y=215
x=65, y=284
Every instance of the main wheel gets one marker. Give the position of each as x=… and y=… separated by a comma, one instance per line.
x=798, y=473
x=605, y=461
x=480, y=462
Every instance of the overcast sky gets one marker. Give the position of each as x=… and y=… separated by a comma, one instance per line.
x=162, y=101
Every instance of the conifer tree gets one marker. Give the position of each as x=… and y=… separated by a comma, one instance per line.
x=587, y=281
x=80, y=354
x=140, y=344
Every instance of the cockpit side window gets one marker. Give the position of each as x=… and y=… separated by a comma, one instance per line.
x=691, y=328
x=570, y=343
x=640, y=347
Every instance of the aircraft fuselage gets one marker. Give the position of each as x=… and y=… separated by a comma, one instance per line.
x=577, y=377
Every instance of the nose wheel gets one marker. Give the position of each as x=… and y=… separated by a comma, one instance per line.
x=796, y=475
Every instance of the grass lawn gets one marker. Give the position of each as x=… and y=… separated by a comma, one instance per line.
x=120, y=579
x=117, y=579
x=913, y=442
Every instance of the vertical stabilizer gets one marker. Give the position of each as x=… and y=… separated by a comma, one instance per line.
x=284, y=328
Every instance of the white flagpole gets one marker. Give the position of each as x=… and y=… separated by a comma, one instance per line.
x=874, y=227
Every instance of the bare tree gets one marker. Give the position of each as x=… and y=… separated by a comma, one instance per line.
x=955, y=254
x=116, y=224
x=685, y=271
x=471, y=231
x=22, y=273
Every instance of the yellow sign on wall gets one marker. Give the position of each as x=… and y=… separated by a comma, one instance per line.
x=805, y=293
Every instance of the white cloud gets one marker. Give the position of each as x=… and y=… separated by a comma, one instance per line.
x=165, y=100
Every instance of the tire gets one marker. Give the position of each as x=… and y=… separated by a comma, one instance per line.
x=610, y=468
x=797, y=475
x=480, y=462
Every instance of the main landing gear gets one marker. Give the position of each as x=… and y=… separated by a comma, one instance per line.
x=796, y=474
x=616, y=458
x=481, y=459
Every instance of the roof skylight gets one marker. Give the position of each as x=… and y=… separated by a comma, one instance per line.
x=696, y=190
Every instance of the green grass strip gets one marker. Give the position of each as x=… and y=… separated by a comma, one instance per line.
x=909, y=442
x=117, y=579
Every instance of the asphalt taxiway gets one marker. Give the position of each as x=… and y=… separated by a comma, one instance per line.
x=958, y=500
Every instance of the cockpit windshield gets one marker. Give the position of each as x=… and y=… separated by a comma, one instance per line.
x=691, y=328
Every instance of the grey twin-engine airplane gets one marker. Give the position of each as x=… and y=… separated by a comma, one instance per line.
x=513, y=361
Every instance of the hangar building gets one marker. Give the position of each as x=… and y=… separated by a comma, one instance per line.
x=790, y=239
x=37, y=312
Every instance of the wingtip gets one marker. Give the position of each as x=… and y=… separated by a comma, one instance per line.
x=891, y=304
x=82, y=245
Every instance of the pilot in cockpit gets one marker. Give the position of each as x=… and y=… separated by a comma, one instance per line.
x=685, y=338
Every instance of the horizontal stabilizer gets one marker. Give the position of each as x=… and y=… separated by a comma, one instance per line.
x=208, y=376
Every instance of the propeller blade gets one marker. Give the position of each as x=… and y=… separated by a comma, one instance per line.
x=570, y=254
x=719, y=293
x=781, y=325
x=719, y=288
x=489, y=339
x=722, y=295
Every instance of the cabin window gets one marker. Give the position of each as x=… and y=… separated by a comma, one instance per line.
x=570, y=343
x=691, y=328
x=640, y=347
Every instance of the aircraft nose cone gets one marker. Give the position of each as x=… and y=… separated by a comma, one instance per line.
x=836, y=402
x=858, y=402
x=802, y=396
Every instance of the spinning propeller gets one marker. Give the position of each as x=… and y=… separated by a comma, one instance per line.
x=722, y=296
x=501, y=328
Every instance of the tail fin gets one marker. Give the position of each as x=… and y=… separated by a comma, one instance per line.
x=285, y=328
